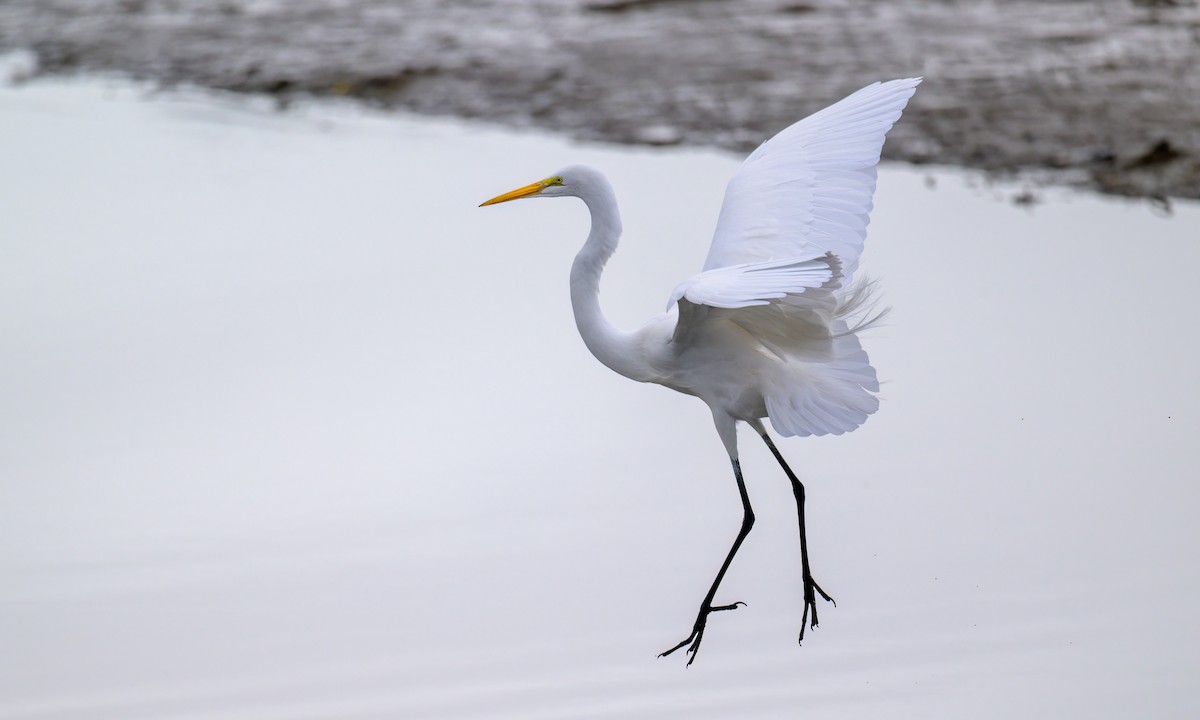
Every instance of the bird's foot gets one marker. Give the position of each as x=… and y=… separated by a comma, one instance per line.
x=693, y=640
x=811, y=590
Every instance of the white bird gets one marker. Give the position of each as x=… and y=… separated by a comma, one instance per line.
x=768, y=328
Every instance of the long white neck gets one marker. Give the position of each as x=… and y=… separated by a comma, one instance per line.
x=616, y=349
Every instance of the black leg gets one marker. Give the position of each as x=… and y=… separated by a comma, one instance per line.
x=811, y=588
x=707, y=607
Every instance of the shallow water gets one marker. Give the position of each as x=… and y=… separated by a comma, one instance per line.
x=290, y=429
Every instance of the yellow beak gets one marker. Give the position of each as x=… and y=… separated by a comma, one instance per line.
x=526, y=191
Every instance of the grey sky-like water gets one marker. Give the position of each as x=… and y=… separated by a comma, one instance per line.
x=289, y=428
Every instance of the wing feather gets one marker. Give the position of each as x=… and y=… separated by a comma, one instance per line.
x=787, y=242
x=784, y=304
x=750, y=284
x=810, y=187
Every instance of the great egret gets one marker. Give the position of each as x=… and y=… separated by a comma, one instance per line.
x=765, y=329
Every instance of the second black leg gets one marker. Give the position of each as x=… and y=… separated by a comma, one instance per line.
x=811, y=588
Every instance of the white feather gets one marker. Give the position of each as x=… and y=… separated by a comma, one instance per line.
x=749, y=284
x=786, y=245
x=810, y=187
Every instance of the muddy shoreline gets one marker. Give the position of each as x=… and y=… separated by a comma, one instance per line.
x=1098, y=95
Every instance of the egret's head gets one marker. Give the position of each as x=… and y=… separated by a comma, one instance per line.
x=568, y=181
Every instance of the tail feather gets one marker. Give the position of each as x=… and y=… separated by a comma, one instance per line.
x=858, y=309
x=825, y=398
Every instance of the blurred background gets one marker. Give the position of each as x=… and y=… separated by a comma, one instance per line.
x=1098, y=94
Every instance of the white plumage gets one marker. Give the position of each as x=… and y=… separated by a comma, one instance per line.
x=750, y=284
x=812, y=184
x=788, y=237
x=763, y=331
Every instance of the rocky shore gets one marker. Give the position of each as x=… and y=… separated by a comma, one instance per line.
x=1099, y=95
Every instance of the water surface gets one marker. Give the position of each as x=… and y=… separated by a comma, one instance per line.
x=290, y=429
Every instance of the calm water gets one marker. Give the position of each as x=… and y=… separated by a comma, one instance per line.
x=290, y=429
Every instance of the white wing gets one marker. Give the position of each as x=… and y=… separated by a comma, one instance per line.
x=786, y=305
x=749, y=284
x=809, y=187
x=787, y=241
x=822, y=382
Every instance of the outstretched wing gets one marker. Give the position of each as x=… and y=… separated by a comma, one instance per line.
x=784, y=304
x=749, y=284
x=809, y=188
x=823, y=382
